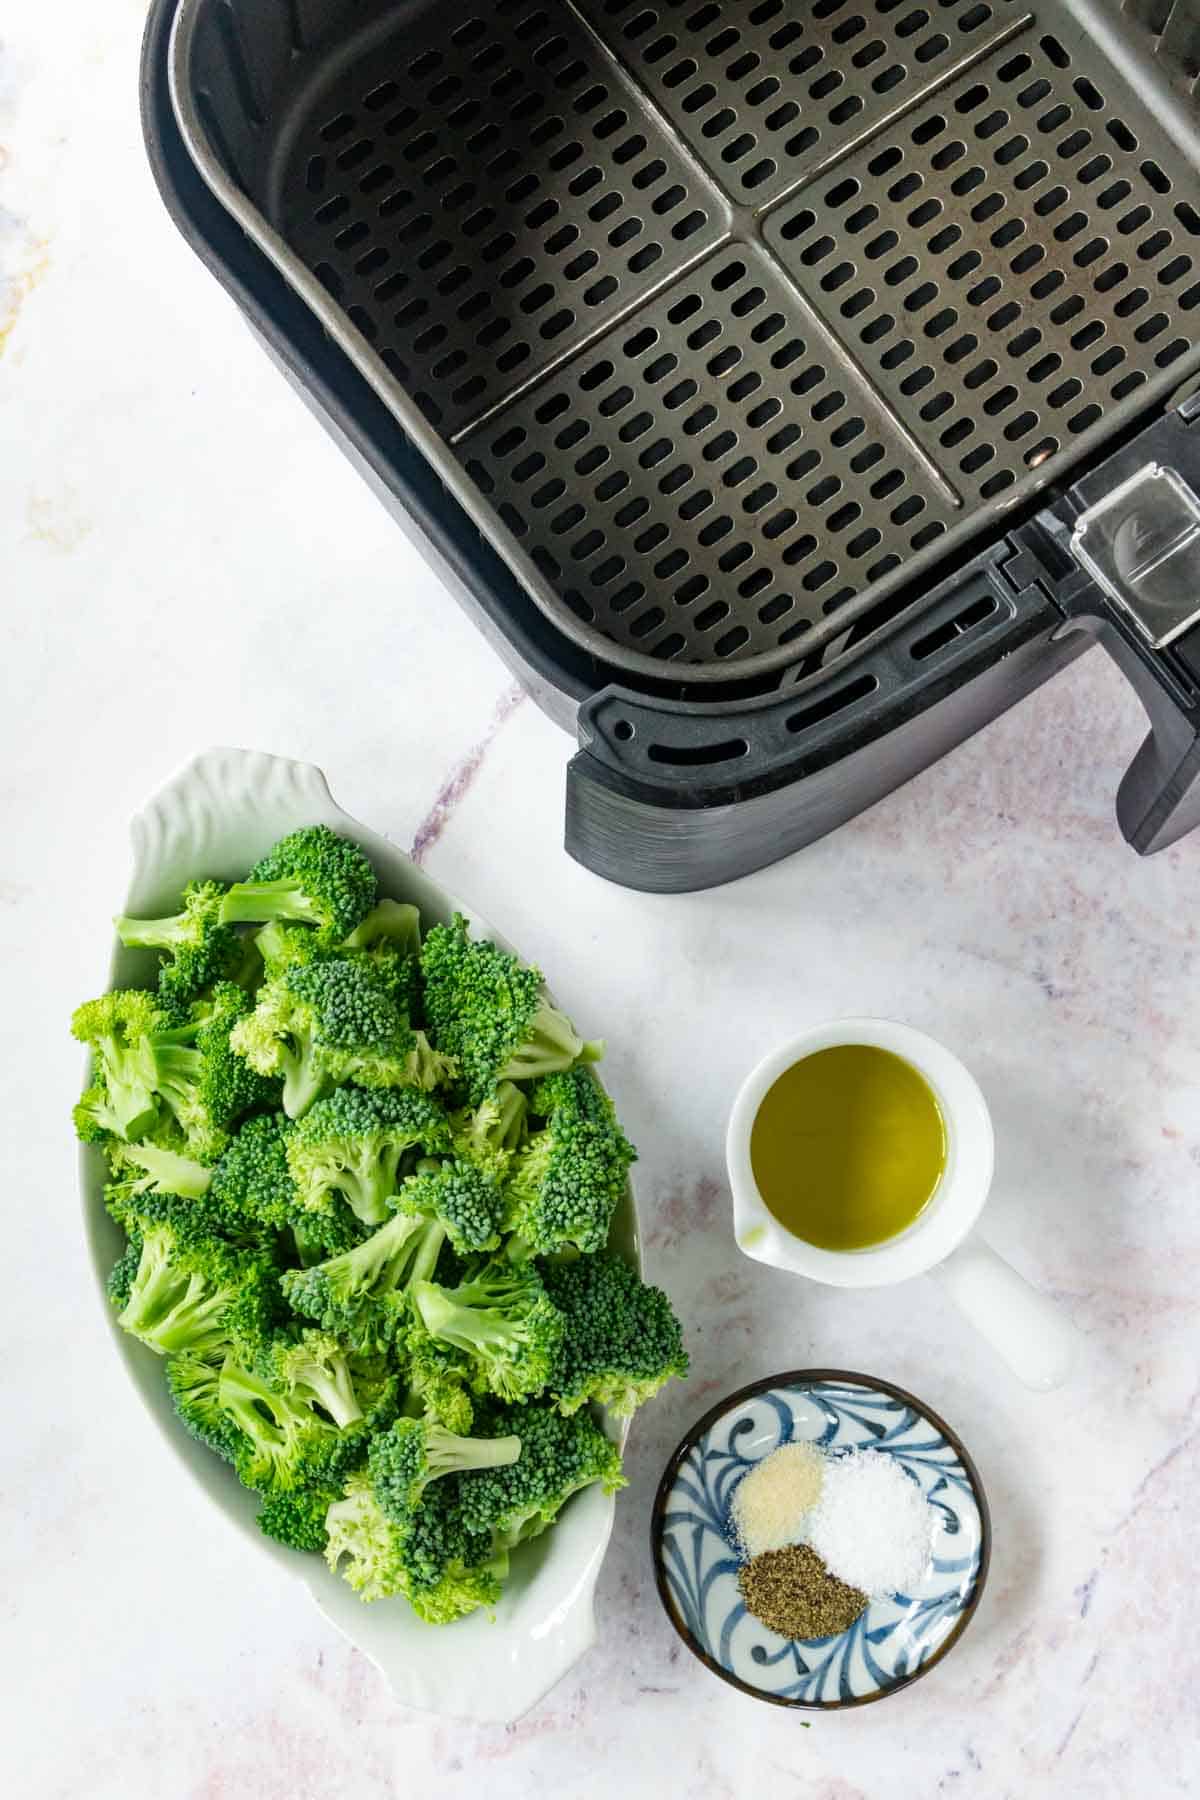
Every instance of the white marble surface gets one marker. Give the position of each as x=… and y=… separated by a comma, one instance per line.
x=184, y=559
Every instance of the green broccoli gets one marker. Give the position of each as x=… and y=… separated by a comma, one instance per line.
x=227, y=1087
x=123, y=1273
x=361, y=1537
x=318, y=1236
x=350, y=1147
x=182, y=1070
x=284, y=1442
x=311, y=1366
x=328, y=1021
x=437, y=1375
x=487, y=1012
x=296, y=1516
x=390, y=922
x=558, y=1457
x=565, y=1186
x=202, y=948
x=251, y=1183
x=280, y=947
x=193, y=1385
x=501, y=1322
x=404, y=1460
x=361, y=1296
x=121, y=1100
x=193, y=1295
x=622, y=1340
x=469, y=1203
x=490, y=1136
x=161, y=1170
x=313, y=877
x=286, y=1403
x=444, y=1570
x=136, y=1203
x=252, y=1188
x=390, y=938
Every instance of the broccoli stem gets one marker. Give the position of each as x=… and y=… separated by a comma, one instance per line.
x=446, y=1451
x=331, y=1386
x=253, y=1405
x=170, y=1312
x=382, y=1264
x=391, y=921
x=550, y=1043
x=153, y=934
x=368, y=1180
x=130, y=1096
x=169, y=1172
x=303, y=1082
x=261, y=902
x=466, y=1327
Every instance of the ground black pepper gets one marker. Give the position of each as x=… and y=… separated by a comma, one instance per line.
x=793, y=1592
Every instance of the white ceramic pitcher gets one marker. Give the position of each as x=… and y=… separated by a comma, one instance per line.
x=1030, y=1332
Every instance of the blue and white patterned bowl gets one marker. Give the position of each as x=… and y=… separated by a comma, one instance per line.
x=696, y=1556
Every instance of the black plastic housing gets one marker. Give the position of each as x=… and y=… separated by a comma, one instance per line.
x=673, y=790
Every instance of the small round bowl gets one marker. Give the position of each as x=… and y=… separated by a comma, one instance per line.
x=696, y=1556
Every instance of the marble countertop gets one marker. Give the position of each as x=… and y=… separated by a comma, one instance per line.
x=186, y=560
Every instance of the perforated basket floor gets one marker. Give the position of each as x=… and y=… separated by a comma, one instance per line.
x=733, y=313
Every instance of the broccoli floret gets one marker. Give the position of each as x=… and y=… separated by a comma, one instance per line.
x=251, y=1182
x=318, y=1236
x=281, y=947
x=490, y=1136
x=565, y=1186
x=390, y=937
x=362, y=1544
x=252, y=1187
x=390, y=922
x=95, y=1118
x=486, y=1011
x=311, y=1367
x=153, y=1068
x=377, y=1386
x=558, y=1457
x=469, y=1203
x=136, y=1202
x=296, y=1516
x=444, y=1570
x=404, y=1460
x=155, y=1169
x=350, y=1145
x=193, y=1295
x=361, y=1296
x=286, y=1443
x=194, y=1386
x=312, y=876
x=202, y=948
x=123, y=1273
x=501, y=1322
x=622, y=1340
x=437, y=1376
x=121, y=1100
x=328, y=1021
x=227, y=1087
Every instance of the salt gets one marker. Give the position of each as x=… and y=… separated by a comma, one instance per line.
x=871, y=1525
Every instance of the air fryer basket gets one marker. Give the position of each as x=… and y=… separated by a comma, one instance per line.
x=691, y=772
x=721, y=319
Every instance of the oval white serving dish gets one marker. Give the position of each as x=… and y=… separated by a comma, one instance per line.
x=216, y=818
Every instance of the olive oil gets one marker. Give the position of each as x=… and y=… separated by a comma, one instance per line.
x=848, y=1147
